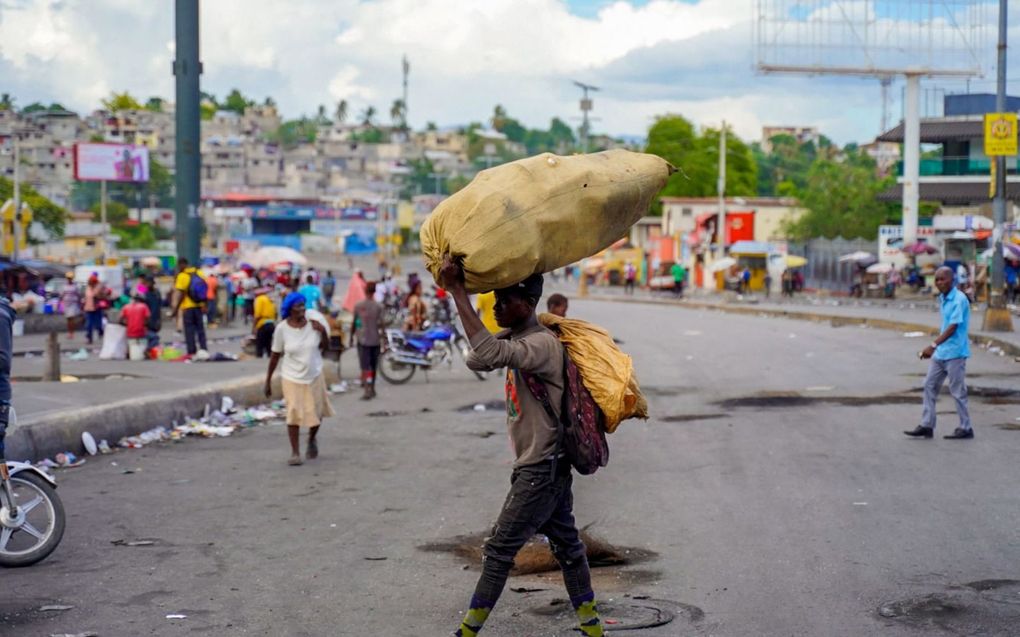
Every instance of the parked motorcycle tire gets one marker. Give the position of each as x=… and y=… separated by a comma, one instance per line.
x=395, y=372
x=462, y=346
x=32, y=492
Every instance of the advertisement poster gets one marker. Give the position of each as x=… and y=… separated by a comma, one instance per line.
x=111, y=162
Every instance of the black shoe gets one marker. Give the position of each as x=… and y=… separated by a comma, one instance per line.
x=920, y=432
x=960, y=434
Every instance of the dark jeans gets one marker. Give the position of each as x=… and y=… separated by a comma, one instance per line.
x=538, y=502
x=93, y=321
x=212, y=311
x=193, y=327
x=368, y=356
x=264, y=339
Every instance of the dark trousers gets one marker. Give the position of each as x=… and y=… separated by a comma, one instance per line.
x=93, y=321
x=231, y=307
x=212, y=310
x=264, y=339
x=538, y=502
x=194, y=328
x=368, y=356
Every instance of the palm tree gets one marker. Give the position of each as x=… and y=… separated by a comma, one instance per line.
x=367, y=116
x=398, y=115
x=498, y=117
x=340, y=115
x=320, y=117
x=6, y=102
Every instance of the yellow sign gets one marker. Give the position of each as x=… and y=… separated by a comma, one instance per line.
x=1000, y=134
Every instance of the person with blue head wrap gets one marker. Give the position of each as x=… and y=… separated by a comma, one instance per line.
x=299, y=343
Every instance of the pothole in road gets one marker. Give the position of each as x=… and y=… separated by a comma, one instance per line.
x=668, y=391
x=536, y=557
x=794, y=399
x=629, y=613
x=989, y=606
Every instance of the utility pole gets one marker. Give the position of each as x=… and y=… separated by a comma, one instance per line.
x=720, y=223
x=586, y=106
x=17, y=197
x=406, y=66
x=997, y=317
x=886, y=82
x=187, y=69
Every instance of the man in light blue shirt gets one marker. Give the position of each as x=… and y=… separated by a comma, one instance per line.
x=311, y=293
x=948, y=354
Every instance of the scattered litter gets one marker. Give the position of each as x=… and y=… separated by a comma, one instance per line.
x=130, y=471
x=104, y=447
x=913, y=334
x=67, y=378
x=90, y=443
x=376, y=559
x=176, y=616
x=525, y=589
x=80, y=355
x=54, y=607
x=480, y=407
x=227, y=405
x=132, y=542
x=68, y=459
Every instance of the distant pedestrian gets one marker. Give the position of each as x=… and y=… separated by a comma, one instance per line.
x=263, y=323
x=629, y=278
x=745, y=281
x=798, y=281
x=70, y=300
x=679, y=274
x=135, y=317
x=310, y=290
x=768, y=284
x=368, y=330
x=787, y=282
x=248, y=286
x=299, y=342
x=355, y=291
x=557, y=304
x=154, y=302
x=540, y=498
x=97, y=299
x=231, y=310
x=948, y=354
x=416, y=309
x=328, y=289
x=191, y=294
x=212, y=283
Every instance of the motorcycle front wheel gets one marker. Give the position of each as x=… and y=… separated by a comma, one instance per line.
x=39, y=526
x=394, y=371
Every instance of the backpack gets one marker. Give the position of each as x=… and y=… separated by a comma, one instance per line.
x=198, y=289
x=582, y=431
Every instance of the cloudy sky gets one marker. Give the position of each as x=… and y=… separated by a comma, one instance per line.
x=650, y=57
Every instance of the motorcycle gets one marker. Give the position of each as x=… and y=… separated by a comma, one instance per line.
x=405, y=352
x=31, y=514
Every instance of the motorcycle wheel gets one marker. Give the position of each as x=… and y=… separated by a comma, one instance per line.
x=395, y=372
x=44, y=522
x=462, y=346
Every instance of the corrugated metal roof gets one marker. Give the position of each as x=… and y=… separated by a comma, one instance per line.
x=934, y=131
x=952, y=193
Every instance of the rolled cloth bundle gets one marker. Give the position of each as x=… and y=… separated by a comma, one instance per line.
x=538, y=214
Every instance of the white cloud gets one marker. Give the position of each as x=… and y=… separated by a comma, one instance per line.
x=691, y=57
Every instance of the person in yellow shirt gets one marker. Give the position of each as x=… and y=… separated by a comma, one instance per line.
x=190, y=290
x=265, y=322
x=486, y=305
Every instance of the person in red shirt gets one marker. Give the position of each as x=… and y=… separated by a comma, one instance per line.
x=135, y=315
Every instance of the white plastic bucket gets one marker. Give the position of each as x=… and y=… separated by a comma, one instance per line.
x=136, y=349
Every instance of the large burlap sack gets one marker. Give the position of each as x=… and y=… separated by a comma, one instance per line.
x=606, y=371
x=540, y=213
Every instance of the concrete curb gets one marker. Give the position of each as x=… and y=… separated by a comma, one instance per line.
x=980, y=339
x=57, y=431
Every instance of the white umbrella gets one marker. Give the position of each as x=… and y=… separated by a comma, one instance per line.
x=857, y=257
x=880, y=268
x=722, y=264
x=270, y=255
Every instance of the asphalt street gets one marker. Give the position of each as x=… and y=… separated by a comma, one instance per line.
x=771, y=493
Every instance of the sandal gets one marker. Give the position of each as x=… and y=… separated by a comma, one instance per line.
x=295, y=460
x=313, y=450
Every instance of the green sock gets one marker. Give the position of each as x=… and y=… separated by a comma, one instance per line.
x=475, y=618
x=588, y=616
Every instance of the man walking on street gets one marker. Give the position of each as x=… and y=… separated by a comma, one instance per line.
x=679, y=274
x=368, y=328
x=191, y=290
x=948, y=354
x=540, y=498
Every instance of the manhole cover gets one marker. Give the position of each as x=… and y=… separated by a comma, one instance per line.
x=627, y=614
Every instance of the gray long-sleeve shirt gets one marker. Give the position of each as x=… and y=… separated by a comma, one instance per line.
x=538, y=352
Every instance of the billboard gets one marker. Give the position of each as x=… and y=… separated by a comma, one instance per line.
x=111, y=162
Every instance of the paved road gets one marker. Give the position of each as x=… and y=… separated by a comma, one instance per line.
x=772, y=493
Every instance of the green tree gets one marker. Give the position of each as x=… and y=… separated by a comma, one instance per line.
x=841, y=199
x=34, y=107
x=340, y=114
x=320, y=116
x=7, y=102
x=51, y=216
x=368, y=116
x=269, y=102
x=121, y=102
x=236, y=102
x=294, y=132
x=398, y=114
x=431, y=126
x=117, y=213
x=154, y=104
x=135, y=237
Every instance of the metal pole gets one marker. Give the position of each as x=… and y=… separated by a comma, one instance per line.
x=720, y=223
x=997, y=317
x=17, y=197
x=188, y=69
x=103, y=230
x=911, y=159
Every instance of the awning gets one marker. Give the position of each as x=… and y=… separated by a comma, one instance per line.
x=956, y=193
x=936, y=131
x=751, y=247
